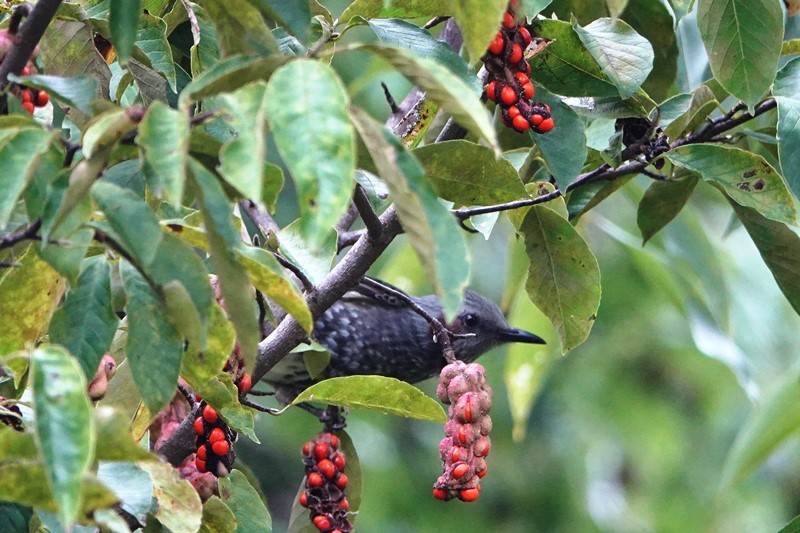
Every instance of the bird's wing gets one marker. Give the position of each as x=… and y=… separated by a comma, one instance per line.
x=373, y=293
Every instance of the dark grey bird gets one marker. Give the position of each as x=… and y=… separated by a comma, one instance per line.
x=370, y=331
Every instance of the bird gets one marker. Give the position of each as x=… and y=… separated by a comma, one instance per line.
x=374, y=330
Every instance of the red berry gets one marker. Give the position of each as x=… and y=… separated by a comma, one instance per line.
x=468, y=402
x=202, y=452
x=490, y=91
x=341, y=481
x=536, y=120
x=210, y=414
x=245, y=383
x=525, y=34
x=321, y=450
x=26, y=96
x=216, y=435
x=522, y=78
x=314, y=480
x=198, y=397
x=42, y=99
x=440, y=494
x=26, y=71
x=28, y=107
x=339, y=461
x=321, y=522
x=306, y=448
x=508, y=21
x=520, y=124
x=513, y=111
x=221, y=448
x=200, y=465
x=528, y=90
x=327, y=468
x=482, y=472
x=460, y=470
x=303, y=499
x=199, y=428
x=463, y=434
x=344, y=504
x=334, y=441
x=516, y=54
x=468, y=495
x=546, y=125
x=482, y=445
x=508, y=95
x=497, y=45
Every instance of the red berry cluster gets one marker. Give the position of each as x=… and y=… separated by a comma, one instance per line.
x=466, y=444
x=509, y=84
x=7, y=417
x=31, y=98
x=325, y=484
x=214, y=437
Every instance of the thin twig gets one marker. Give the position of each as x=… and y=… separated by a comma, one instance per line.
x=26, y=232
x=348, y=238
x=296, y=270
x=390, y=99
x=346, y=221
x=435, y=21
x=371, y=220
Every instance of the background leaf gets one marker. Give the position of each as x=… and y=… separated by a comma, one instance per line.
x=164, y=139
x=245, y=502
x=122, y=21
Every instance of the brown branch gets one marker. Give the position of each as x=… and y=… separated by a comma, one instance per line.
x=27, y=232
x=365, y=210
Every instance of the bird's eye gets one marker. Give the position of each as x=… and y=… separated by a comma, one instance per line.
x=470, y=320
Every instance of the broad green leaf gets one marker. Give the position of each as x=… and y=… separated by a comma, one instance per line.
x=375, y=393
x=164, y=139
x=123, y=18
x=224, y=239
x=295, y=16
x=655, y=21
x=269, y=277
x=131, y=219
x=430, y=226
x=701, y=105
x=746, y=177
x=178, y=504
x=530, y=8
x=662, y=202
x=321, y=158
x=404, y=9
x=246, y=503
x=563, y=278
x=183, y=314
x=566, y=66
x=789, y=141
x=106, y=129
x=131, y=484
x=222, y=395
x=200, y=367
x=20, y=154
x=217, y=517
x=30, y=294
x=478, y=21
x=625, y=56
x=242, y=157
x=769, y=425
x=77, y=91
x=787, y=81
x=240, y=28
x=154, y=347
x=484, y=181
x=86, y=323
x=65, y=431
x=457, y=98
x=399, y=33
x=114, y=439
x=565, y=159
x=228, y=75
x=151, y=41
x=152, y=85
x=66, y=256
x=743, y=41
x=779, y=247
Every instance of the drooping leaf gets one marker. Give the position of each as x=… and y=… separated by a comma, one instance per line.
x=478, y=21
x=179, y=507
x=651, y=20
x=743, y=42
x=201, y=367
x=240, y=28
x=164, y=139
x=565, y=159
x=563, y=278
x=625, y=56
x=217, y=517
x=228, y=75
x=77, y=91
x=321, y=158
x=151, y=41
x=789, y=141
x=66, y=255
x=374, y=393
x=122, y=21
x=131, y=484
x=701, y=105
x=295, y=16
x=662, y=202
x=744, y=176
x=246, y=503
x=106, y=129
x=431, y=227
x=65, y=431
x=20, y=153
x=86, y=323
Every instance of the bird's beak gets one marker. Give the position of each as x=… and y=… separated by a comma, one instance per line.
x=518, y=335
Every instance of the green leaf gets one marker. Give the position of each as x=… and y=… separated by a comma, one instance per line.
x=179, y=506
x=86, y=323
x=242, y=157
x=375, y=393
x=217, y=517
x=563, y=278
x=77, y=91
x=164, y=139
x=246, y=503
x=779, y=247
x=67, y=257
x=769, y=425
x=405, y=9
x=399, y=33
x=65, y=431
x=240, y=28
x=431, y=228
x=321, y=158
x=478, y=21
x=702, y=104
x=151, y=41
x=123, y=18
x=105, y=130
x=746, y=177
x=484, y=181
x=114, y=439
x=20, y=153
x=272, y=186
x=743, y=41
x=625, y=56
x=531, y=8
x=460, y=100
x=565, y=159
x=656, y=22
x=154, y=348
x=200, y=367
x=222, y=395
x=566, y=65
x=789, y=141
x=228, y=75
x=295, y=16
x=131, y=219
x=269, y=277
x=662, y=202
x=131, y=484
x=787, y=82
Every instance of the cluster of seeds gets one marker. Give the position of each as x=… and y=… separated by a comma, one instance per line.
x=508, y=82
x=325, y=484
x=214, y=438
x=466, y=444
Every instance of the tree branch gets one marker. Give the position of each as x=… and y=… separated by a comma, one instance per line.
x=29, y=231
